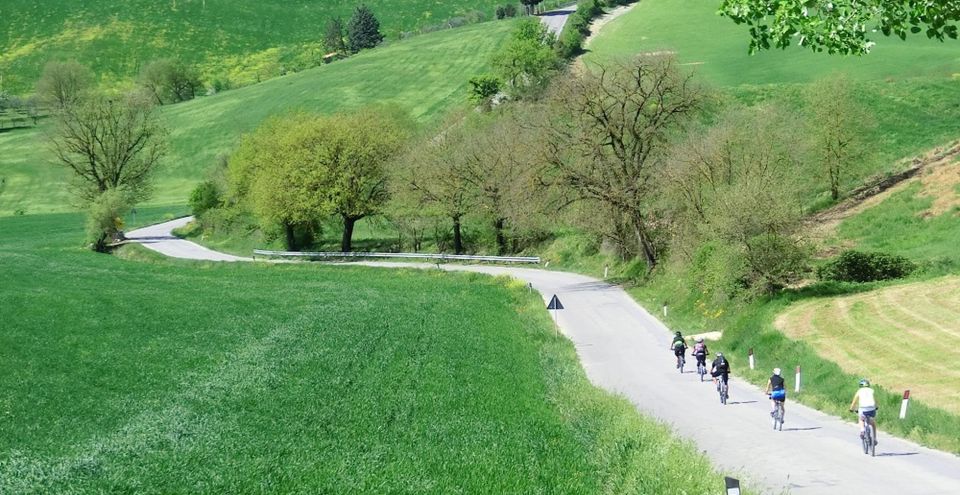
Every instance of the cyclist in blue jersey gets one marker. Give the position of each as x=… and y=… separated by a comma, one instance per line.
x=776, y=391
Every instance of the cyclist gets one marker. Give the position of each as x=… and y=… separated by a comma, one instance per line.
x=776, y=391
x=700, y=352
x=867, y=407
x=721, y=368
x=678, y=346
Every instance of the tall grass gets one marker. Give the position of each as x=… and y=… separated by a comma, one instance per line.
x=162, y=376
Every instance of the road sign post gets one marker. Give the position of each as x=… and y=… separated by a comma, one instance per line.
x=555, y=305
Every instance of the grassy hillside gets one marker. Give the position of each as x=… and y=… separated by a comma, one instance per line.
x=242, y=39
x=900, y=336
x=716, y=48
x=425, y=75
x=157, y=376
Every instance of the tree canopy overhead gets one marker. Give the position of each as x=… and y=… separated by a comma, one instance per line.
x=840, y=26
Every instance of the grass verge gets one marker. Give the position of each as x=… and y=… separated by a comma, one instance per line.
x=174, y=376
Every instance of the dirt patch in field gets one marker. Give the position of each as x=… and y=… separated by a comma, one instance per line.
x=940, y=183
x=938, y=166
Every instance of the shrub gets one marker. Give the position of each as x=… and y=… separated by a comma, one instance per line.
x=105, y=217
x=482, y=88
x=510, y=10
x=204, y=197
x=857, y=266
x=500, y=12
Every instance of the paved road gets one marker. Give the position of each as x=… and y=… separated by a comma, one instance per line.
x=556, y=19
x=624, y=350
x=160, y=238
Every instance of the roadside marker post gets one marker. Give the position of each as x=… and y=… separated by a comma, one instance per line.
x=606, y=271
x=751, y=358
x=732, y=485
x=796, y=387
x=903, y=405
x=664, y=310
x=555, y=305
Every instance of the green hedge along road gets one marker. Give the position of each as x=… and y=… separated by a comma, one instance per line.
x=624, y=350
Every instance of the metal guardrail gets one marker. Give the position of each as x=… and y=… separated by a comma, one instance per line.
x=420, y=256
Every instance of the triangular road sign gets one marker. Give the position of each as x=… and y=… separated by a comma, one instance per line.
x=554, y=303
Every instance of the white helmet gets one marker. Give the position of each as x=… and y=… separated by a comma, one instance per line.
x=776, y=371
x=700, y=339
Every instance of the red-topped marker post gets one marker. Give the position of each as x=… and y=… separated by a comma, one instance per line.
x=903, y=405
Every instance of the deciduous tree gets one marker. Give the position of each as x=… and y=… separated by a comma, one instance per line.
x=333, y=36
x=169, y=81
x=528, y=59
x=63, y=83
x=837, y=123
x=109, y=144
x=840, y=26
x=610, y=131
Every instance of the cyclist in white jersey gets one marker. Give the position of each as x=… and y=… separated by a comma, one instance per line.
x=867, y=406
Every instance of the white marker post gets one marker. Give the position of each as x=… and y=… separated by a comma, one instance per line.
x=796, y=387
x=606, y=271
x=751, y=358
x=903, y=405
x=664, y=310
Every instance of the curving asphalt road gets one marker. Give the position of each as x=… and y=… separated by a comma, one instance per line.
x=556, y=19
x=624, y=350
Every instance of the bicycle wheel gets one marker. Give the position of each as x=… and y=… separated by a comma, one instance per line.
x=723, y=392
x=682, y=362
x=866, y=439
x=872, y=444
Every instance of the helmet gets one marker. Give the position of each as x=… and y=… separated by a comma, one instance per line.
x=776, y=371
x=678, y=334
x=719, y=354
x=864, y=382
x=700, y=339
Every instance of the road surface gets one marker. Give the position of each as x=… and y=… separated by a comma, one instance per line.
x=624, y=350
x=556, y=19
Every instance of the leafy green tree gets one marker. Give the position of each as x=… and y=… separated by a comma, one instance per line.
x=333, y=36
x=530, y=6
x=169, y=81
x=837, y=123
x=281, y=172
x=363, y=30
x=109, y=144
x=361, y=146
x=528, y=59
x=63, y=83
x=840, y=26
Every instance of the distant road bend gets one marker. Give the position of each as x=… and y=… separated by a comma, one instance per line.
x=624, y=350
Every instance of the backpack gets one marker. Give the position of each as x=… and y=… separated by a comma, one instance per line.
x=722, y=364
x=678, y=344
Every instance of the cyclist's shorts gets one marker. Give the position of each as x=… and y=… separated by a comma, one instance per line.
x=779, y=394
x=868, y=413
x=718, y=374
x=678, y=351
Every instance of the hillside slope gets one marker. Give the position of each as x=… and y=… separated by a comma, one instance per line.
x=425, y=75
x=242, y=39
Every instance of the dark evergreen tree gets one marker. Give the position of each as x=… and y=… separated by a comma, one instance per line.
x=333, y=37
x=363, y=31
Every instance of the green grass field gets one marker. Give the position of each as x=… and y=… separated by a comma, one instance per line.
x=154, y=376
x=716, y=48
x=426, y=76
x=241, y=39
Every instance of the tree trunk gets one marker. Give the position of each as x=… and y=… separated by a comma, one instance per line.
x=649, y=253
x=346, y=241
x=457, y=236
x=501, y=239
x=100, y=244
x=291, y=238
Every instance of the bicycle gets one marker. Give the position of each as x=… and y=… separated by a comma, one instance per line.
x=778, y=413
x=680, y=362
x=701, y=368
x=866, y=438
x=722, y=389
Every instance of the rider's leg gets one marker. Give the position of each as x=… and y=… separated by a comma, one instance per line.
x=873, y=424
x=861, y=423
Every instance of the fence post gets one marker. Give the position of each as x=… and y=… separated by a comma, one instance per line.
x=751, y=358
x=903, y=405
x=796, y=387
